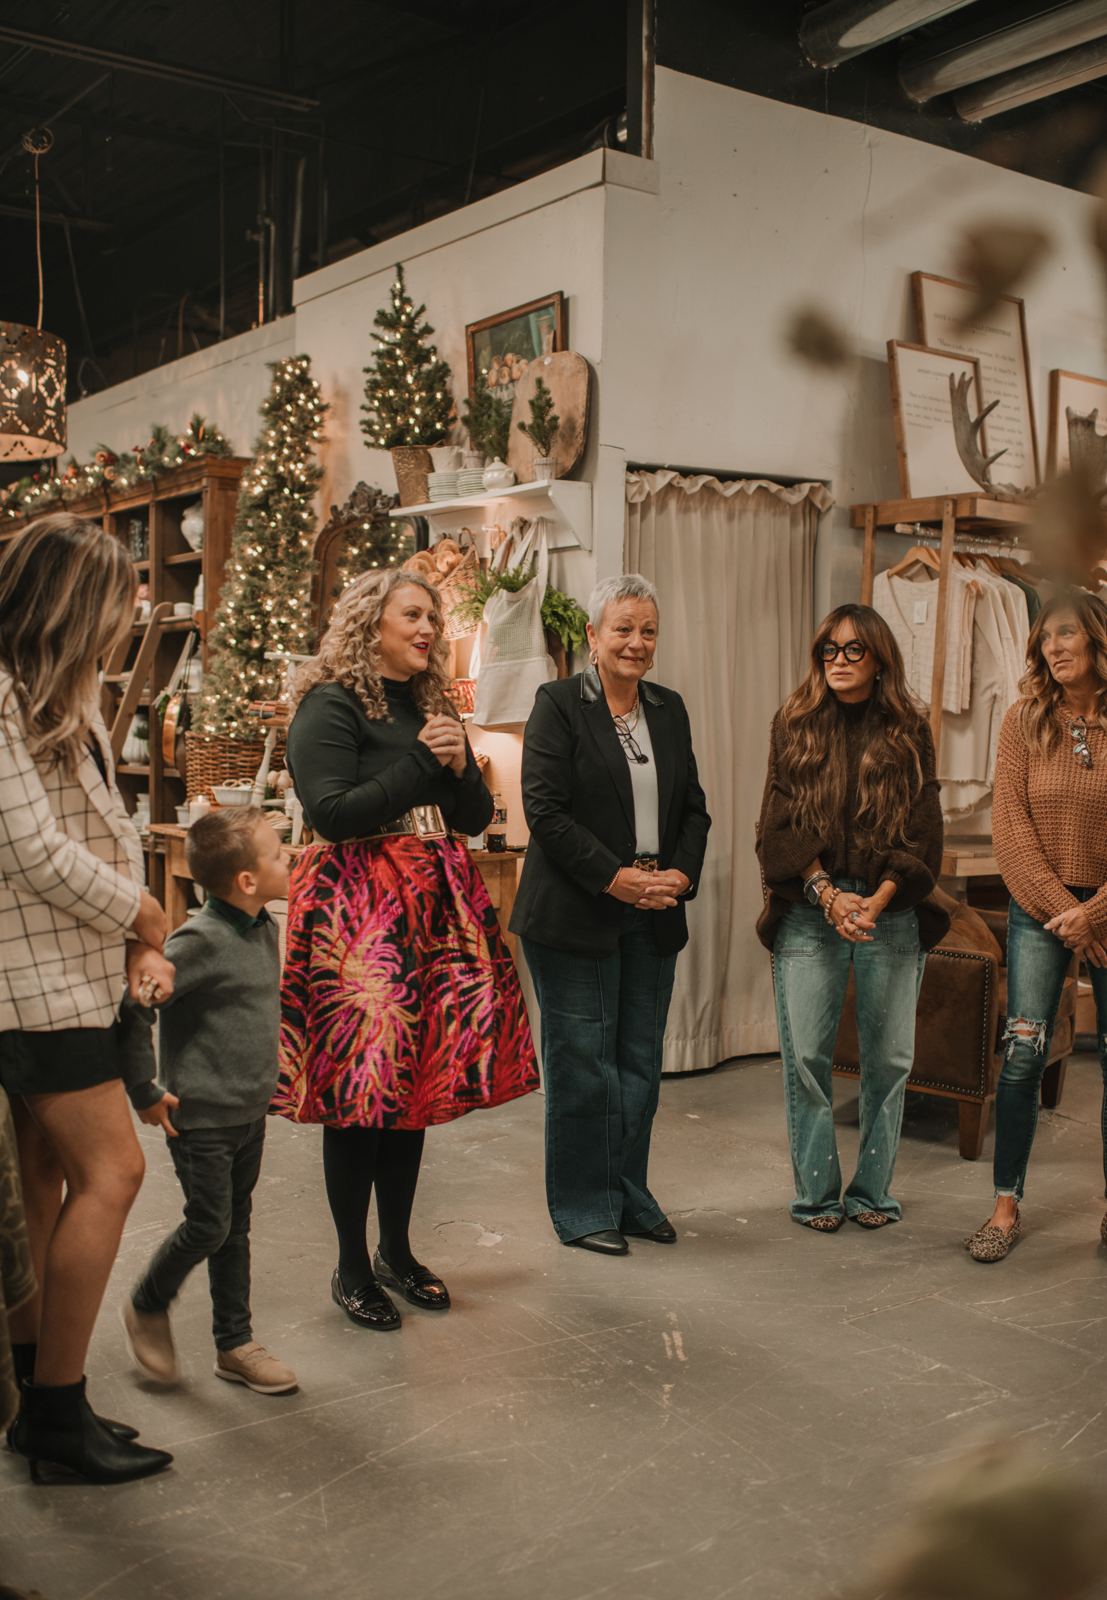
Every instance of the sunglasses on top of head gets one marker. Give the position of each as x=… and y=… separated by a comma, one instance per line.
x=853, y=650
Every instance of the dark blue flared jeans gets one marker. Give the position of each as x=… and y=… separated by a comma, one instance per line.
x=603, y=1028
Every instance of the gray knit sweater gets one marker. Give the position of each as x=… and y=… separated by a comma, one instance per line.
x=217, y=1036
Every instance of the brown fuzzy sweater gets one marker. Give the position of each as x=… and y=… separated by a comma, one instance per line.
x=1049, y=823
x=785, y=850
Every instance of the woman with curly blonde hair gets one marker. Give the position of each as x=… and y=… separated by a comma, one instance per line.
x=400, y=1004
x=1049, y=827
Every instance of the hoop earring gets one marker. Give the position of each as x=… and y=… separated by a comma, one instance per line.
x=594, y=658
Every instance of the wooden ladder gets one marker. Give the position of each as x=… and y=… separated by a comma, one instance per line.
x=133, y=678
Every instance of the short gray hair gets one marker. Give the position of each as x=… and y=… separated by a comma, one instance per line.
x=631, y=586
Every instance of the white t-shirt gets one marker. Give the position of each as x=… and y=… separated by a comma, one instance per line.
x=643, y=780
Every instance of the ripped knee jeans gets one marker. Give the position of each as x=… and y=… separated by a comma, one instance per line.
x=1037, y=965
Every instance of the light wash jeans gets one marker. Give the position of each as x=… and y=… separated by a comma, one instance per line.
x=603, y=1032
x=811, y=963
x=1037, y=966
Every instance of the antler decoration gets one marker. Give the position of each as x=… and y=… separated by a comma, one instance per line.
x=967, y=433
x=1087, y=450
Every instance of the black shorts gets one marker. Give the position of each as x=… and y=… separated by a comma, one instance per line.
x=58, y=1062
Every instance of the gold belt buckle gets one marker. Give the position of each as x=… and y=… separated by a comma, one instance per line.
x=646, y=863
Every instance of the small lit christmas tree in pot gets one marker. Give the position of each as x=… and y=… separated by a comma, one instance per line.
x=408, y=404
x=265, y=604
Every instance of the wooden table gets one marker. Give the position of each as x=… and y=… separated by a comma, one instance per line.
x=500, y=871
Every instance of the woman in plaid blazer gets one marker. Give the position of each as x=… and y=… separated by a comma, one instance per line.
x=74, y=919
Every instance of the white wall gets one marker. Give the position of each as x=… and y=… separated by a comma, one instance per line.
x=225, y=383
x=763, y=207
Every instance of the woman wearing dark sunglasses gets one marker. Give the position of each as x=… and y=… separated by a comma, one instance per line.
x=850, y=842
x=1049, y=827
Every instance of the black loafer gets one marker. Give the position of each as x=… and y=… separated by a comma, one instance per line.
x=368, y=1306
x=662, y=1231
x=608, y=1242
x=419, y=1288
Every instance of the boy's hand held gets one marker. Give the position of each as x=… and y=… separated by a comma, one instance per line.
x=149, y=974
x=158, y=1116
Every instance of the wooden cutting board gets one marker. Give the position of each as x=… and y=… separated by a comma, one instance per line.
x=566, y=376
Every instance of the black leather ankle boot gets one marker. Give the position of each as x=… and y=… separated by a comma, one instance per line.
x=23, y=1360
x=57, y=1425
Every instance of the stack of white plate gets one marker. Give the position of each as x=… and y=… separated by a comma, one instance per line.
x=470, y=480
x=442, y=485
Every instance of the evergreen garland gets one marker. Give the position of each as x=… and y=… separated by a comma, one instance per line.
x=266, y=599
x=407, y=388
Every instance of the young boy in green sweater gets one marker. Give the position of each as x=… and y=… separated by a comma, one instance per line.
x=216, y=1072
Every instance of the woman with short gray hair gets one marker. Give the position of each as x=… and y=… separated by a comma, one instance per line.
x=618, y=829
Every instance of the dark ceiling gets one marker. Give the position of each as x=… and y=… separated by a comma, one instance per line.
x=153, y=189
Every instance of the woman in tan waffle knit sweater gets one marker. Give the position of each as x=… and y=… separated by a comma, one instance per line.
x=1049, y=825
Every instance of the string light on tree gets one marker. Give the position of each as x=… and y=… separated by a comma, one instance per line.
x=265, y=604
x=407, y=394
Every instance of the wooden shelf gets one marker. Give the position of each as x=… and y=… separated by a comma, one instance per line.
x=133, y=769
x=189, y=559
x=980, y=509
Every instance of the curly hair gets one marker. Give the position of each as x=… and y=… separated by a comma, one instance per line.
x=813, y=751
x=349, y=652
x=67, y=592
x=1039, y=719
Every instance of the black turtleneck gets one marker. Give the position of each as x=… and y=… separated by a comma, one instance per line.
x=354, y=776
x=786, y=850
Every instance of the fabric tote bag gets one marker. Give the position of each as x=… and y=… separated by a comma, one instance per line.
x=514, y=660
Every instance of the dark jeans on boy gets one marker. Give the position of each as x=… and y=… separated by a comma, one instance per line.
x=217, y=1168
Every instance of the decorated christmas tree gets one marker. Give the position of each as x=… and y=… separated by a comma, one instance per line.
x=266, y=599
x=407, y=388
x=371, y=539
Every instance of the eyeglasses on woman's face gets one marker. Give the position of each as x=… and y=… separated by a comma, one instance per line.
x=853, y=650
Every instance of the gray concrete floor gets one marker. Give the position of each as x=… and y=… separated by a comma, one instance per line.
x=741, y=1414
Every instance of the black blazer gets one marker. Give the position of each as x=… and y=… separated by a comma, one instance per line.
x=579, y=806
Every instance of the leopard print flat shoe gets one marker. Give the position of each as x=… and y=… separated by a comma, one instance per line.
x=829, y=1222
x=871, y=1219
x=1103, y=1228
x=992, y=1244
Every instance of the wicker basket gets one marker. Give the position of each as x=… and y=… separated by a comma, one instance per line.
x=411, y=463
x=212, y=759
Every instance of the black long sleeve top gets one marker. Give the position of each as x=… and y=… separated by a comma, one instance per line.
x=353, y=775
x=785, y=850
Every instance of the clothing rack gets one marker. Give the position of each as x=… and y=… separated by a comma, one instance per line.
x=980, y=519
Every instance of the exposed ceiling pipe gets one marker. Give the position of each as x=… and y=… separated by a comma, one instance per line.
x=1010, y=89
x=155, y=69
x=934, y=69
x=843, y=28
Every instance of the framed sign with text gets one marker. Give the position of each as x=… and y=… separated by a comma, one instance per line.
x=944, y=321
x=923, y=416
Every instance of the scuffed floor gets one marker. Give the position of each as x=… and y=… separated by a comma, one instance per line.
x=741, y=1414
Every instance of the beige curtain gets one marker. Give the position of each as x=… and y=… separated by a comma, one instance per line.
x=732, y=563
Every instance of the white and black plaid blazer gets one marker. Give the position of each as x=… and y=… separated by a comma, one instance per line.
x=71, y=876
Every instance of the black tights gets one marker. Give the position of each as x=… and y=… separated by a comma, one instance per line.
x=353, y=1160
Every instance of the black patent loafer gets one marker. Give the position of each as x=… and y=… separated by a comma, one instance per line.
x=368, y=1306
x=419, y=1288
x=663, y=1232
x=608, y=1242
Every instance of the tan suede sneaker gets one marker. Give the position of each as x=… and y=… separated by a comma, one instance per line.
x=150, y=1342
x=252, y=1365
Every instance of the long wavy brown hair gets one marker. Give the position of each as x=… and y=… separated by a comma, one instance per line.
x=813, y=748
x=1039, y=708
x=349, y=653
x=67, y=592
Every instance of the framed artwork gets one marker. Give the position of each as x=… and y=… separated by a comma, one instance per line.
x=501, y=348
x=928, y=459
x=1070, y=391
x=998, y=342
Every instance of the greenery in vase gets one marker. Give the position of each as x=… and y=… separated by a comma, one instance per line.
x=407, y=394
x=266, y=599
x=544, y=424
